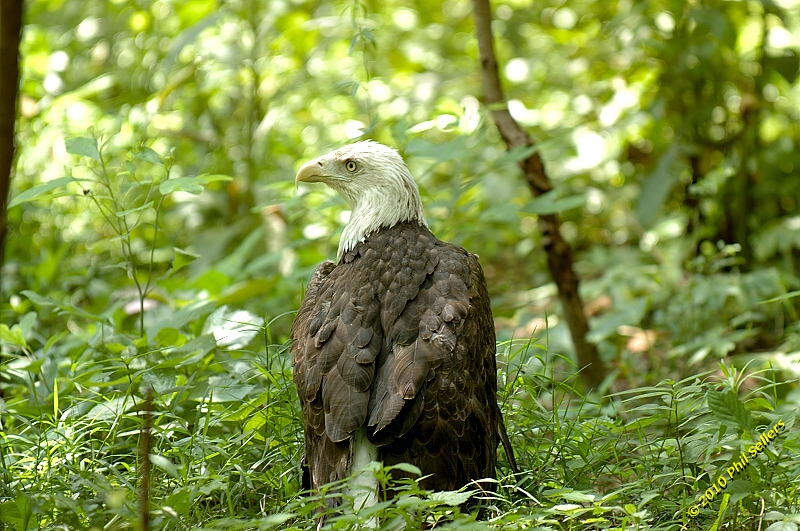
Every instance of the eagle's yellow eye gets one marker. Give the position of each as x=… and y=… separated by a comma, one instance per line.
x=351, y=166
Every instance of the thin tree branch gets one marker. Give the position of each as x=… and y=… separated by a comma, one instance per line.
x=145, y=465
x=559, y=252
x=10, y=31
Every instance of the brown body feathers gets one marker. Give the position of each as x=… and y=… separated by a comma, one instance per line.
x=398, y=339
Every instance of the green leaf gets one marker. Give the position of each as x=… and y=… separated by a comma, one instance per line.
x=10, y=512
x=149, y=155
x=657, y=186
x=408, y=468
x=550, y=203
x=189, y=313
x=189, y=35
x=84, y=147
x=246, y=290
x=41, y=300
x=452, y=498
x=233, y=329
x=194, y=12
x=193, y=351
x=182, y=258
x=236, y=261
x=787, y=65
x=193, y=185
x=123, y=213
x=782, y=298
x=28, y=322
x=12, y=336
x=440, y=151
x=517, y=154
x=728, y=407
x=39, y=190
x=272, y=521
x=109, y=410
x=222, y=388
x=579, y=496
x=206, y=178
x=166, y=465
x=782, y=526
x=181, y=184
x=71, y=309
x=33, y=366
x=169, y=337
x=180, y=500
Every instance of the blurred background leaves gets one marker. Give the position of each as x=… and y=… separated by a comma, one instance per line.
x=158, y=240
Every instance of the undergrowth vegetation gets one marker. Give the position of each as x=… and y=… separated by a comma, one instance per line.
x=158, y=248
x=165, y=393
x=226, y=441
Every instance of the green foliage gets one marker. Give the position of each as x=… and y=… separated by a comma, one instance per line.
x=158, y=245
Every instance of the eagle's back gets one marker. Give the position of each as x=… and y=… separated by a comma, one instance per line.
x=398, y=338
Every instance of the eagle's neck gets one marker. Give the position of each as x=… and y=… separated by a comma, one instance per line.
x=382, y=206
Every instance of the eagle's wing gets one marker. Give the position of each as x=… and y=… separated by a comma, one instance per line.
x=434, y=402
x=335, y=343
x=307, y=377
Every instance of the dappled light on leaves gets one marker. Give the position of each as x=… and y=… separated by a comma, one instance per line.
x=157, y=241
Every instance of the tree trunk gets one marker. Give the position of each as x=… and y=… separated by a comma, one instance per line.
x=10, y=29
x=559, y=253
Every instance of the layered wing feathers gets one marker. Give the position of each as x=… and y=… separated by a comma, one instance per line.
x=398, y=337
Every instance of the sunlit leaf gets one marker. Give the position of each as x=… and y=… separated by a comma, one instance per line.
x=40, y=190
x=578, y=496
x=786, y=525
x=33, y=366
x=222, y=388
x=83, y=146
x=110, y=408
x=408, y=468
x=181, y=184
x=451, y=497
x=233, y=329
x=206, y=178
x=149, y=155
x=12, y=336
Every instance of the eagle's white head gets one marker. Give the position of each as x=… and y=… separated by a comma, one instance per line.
x=376, y=183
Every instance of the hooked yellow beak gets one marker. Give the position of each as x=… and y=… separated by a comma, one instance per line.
x=311, y=172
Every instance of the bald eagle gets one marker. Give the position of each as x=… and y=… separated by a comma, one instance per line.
x=394, y=345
